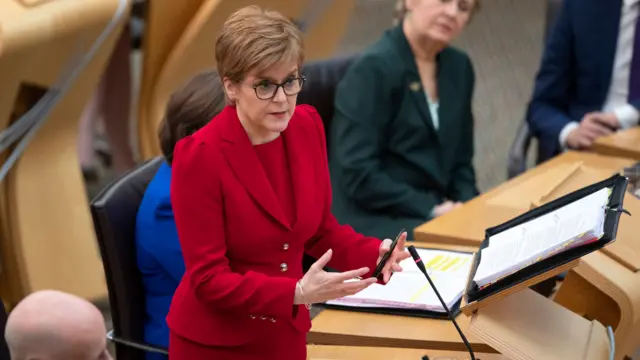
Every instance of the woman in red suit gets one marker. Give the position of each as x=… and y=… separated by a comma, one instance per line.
x=251, y=193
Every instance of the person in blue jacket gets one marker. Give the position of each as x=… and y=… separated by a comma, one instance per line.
x=159, y=255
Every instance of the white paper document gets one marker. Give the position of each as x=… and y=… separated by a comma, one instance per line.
x=410, y=289
x=573, y=225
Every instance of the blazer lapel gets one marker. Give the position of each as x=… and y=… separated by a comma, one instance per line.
x=412, y=78
x=420, y=97
x=246, y=166
x=298, y=143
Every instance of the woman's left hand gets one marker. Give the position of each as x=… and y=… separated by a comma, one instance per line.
x=399, y=254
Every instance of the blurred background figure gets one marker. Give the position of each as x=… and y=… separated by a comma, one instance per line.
x=51, y=325
x=588, y=85
x=402, y=135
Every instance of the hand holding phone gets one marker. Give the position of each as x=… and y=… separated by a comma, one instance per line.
x=392, y=255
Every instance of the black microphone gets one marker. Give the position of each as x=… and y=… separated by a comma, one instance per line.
x=420, y=264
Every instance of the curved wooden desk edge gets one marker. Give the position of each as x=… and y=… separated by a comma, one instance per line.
x=341, y=327
x=328, y=352
x=48, y=216
x=155, y=98
x=321, y=338
x=626, y=297
x=620, y=144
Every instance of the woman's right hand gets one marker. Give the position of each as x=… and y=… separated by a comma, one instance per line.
x=318, y=286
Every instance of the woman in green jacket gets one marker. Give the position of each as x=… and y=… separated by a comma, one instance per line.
x=402, y=135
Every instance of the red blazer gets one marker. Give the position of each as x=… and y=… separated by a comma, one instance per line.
x=242, y=258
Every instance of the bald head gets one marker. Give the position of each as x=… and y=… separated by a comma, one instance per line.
x=51, y=325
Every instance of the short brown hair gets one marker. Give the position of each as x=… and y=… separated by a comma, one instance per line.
x=190, y=108
x=253, y=38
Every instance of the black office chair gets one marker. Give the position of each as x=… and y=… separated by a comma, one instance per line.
x=114, y=213
x=520, y=147
x=319, y=91
x=4, y=351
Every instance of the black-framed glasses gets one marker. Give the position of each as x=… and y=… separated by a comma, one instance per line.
x=266, y=90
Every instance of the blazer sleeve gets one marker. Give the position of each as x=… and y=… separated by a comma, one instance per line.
x=547, y=114
x=197, y=199
x=351, y=250
x=363, y=106
x=463, y=181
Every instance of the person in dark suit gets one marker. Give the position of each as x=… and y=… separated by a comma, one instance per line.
x=402, y=134
x=588, y=84
x=251, y=193
x=158, y=250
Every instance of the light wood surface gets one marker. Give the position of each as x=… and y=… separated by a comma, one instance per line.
x=528, y=326
x=47, y=237
x=625, y=143
x=337, y=327
x=327, y=352
x=606, y=284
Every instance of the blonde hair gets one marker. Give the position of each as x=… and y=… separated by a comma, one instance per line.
x=401, y=10
x=256, y=39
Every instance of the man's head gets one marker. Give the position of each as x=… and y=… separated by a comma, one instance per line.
x=51, y=325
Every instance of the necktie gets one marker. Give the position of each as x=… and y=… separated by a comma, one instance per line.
x=634, y=78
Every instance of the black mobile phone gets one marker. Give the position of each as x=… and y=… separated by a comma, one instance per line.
x=386, y=256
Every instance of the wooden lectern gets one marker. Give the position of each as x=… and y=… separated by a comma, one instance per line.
x=606, y=284
x=528, y=326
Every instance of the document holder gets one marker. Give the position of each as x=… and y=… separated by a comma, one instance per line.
x=476, y=297
x=404, y=311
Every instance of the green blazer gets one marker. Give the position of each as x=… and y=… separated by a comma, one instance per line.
x=390, y=166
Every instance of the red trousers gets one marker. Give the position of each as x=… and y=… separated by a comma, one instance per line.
x=283, y=343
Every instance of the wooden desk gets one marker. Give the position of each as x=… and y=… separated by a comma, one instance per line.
x=325, y=352
x=624, y=143
x=604, y=287
x=336, y=327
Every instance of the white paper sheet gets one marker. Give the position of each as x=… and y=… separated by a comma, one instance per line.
x=522, y=245
x=409, y=289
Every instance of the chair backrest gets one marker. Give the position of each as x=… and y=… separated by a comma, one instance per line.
x=114, y=213
x=4, y=352
x=319, y=91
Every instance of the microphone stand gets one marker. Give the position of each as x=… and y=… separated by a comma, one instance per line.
x=418, y=260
